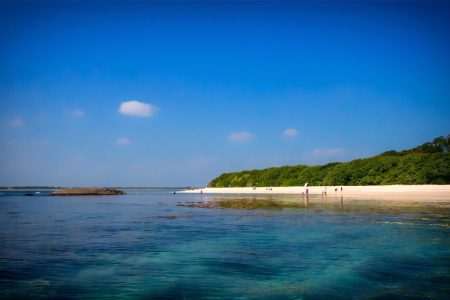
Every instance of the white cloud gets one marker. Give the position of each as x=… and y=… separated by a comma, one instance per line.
x=123, y=141
x=17, y=122
x=137, y=109
x=290, y=133
x=330, y=152
x=78, y=113
x=240, y=136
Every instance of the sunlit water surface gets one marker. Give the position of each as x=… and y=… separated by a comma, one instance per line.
x=144, y=246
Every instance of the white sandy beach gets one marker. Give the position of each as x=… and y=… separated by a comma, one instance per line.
x=392, y=192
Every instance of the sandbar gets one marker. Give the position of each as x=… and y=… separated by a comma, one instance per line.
x=391, y=192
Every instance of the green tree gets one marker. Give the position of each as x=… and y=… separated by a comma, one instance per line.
x=425, y=164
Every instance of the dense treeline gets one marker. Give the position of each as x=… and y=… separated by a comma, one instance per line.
x=425, y=164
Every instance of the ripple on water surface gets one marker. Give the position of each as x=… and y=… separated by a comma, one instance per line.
x=144, y=246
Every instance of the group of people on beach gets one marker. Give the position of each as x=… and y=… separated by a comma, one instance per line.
x=324, y=192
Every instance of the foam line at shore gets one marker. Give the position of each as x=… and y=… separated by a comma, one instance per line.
x=435, y=192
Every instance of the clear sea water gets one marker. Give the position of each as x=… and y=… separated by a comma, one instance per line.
x=143, y=246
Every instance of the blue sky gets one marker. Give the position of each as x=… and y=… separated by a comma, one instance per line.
x=219, y=87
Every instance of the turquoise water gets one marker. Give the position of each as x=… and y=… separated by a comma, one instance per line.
x=144, y=246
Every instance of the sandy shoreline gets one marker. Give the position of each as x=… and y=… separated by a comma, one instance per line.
x=394, y=192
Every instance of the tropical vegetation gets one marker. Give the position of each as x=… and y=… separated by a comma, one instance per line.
x=425, y=164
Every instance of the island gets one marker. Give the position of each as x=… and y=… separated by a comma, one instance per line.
x=87, y=192
x=425, y=164
x=421, y=173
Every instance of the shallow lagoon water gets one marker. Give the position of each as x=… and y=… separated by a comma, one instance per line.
x=143, y=246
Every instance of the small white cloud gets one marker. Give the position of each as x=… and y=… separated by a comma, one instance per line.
x=123, y=141
x=240, y=136
x=137, y=109
x=290, y=133
x=331, y=152
x=78, y=113
x=17, y=122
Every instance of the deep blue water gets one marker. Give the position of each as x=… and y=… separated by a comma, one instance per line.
x=144, y=246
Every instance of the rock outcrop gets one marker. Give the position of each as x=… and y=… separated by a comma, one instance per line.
x=86, y=192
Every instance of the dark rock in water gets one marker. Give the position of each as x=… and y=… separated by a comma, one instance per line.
x=87, y=192
x=198, y=204
x=244, y=204
x=28, y=194
x=168, y=217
